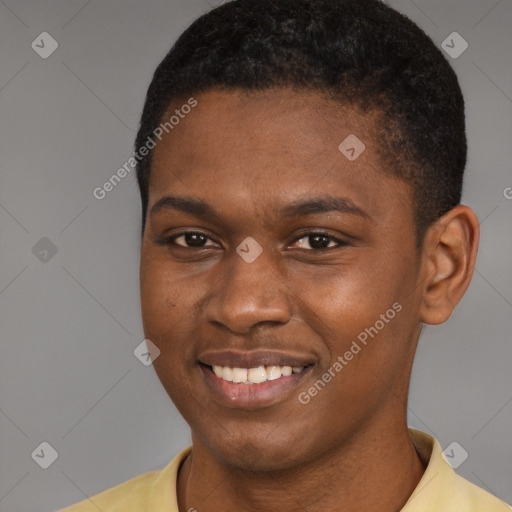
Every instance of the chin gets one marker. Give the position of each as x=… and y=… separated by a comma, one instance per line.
x=258, y=453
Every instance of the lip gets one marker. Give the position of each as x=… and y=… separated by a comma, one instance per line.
x=254, y=358
x=251, y=396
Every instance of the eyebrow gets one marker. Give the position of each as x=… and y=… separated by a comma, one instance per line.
x=322, y=205
x=200, y=208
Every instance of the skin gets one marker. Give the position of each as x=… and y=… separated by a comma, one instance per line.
x=248, y=156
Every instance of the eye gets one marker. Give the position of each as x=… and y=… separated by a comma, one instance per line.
x=189, y=240
x=318, y=241
x=199, y=240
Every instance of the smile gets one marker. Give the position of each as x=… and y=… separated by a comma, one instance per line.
x=254, y=375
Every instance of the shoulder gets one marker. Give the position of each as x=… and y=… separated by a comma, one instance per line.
x=127, y=496
x=153, y=491
x=123, y=497
x=442, y=489
x=471, y=498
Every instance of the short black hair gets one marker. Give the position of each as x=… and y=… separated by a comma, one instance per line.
x=358, y=52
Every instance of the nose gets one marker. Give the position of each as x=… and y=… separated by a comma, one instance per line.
x=248, y=294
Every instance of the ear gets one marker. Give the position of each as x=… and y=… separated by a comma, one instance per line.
x=448, y=258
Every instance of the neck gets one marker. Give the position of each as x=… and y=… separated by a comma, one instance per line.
x=378, y=470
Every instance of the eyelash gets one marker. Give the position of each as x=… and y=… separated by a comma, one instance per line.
x=171, y=240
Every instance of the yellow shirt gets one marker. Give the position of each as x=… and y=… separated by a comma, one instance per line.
x=439, y=490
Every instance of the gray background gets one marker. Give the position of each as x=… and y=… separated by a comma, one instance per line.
x=70, y=324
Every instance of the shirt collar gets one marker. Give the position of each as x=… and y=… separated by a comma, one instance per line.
x=440, y=488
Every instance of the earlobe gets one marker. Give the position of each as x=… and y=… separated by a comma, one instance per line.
x=449, y=255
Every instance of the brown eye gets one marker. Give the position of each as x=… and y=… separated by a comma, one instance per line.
x=318, y=241
x=189, y=240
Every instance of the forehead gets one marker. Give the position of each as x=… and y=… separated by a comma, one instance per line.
x=279, y=125
x=276, y=145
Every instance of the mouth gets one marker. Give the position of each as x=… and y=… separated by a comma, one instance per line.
x=252, y=380
x=254, y=375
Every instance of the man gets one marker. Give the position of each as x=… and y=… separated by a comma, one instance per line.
x=300, y=165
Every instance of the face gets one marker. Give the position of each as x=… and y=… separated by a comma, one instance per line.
x=267, y=249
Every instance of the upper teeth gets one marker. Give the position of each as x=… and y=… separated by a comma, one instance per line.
x=254, y=375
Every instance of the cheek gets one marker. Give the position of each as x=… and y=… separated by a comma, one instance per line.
x=346, y=300
x=167, y=322
x=164, y=309
x=361, y=311
x=161, y=294
x=171, y=312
